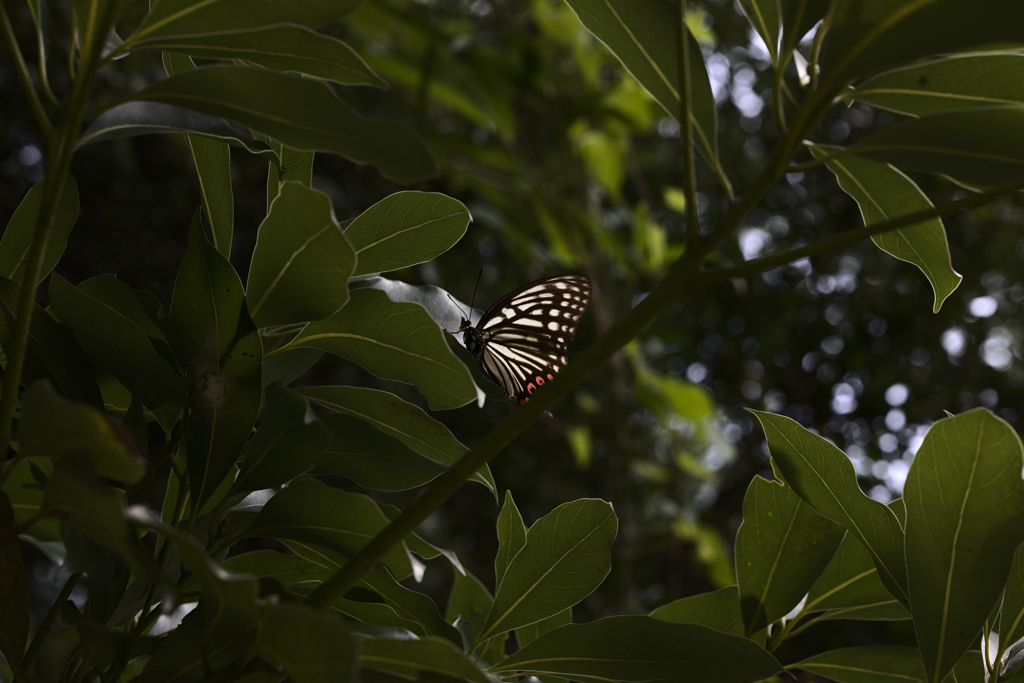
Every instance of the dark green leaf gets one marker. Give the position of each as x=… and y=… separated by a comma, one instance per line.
x=405, y=229
x=406, y=657
x=270, y=564
x=311, y=512
x=511, y=536
x=139, y=306
x=865, y=36
x=295, y=166
x=219, y=353
x=303, y=114
x=145, y=118
x=373, y=459
x=645, y=38
x=882, y=193
x=312, y=647
x=25, y=489
x=718, y=609
x=642, y=650
x=17, y=238
x=469, y=602
x=823, y=476
x=15, y=611
x=867, y=664
x=299, y=251
x=122, y=346
x=954, y=82
x=850, y=588
x=193, y=649
x=53, y=427
x=396, y=341
x=531, y=632
x=782, y=546
x=1011, y=612
x=279, y=48
x=287, y=367
x=764, y=17
x=965, y=519
x=185, y=18
x=289, y=440
x=53, y=352
x=212, y=159
x=75, y=495
x=978, y=147
x=404, y=421
x=566, y=556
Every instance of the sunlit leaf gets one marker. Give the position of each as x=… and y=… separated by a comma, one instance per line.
x=965, y=519
x=883, y=193
x=849, y=587
x=867, y=664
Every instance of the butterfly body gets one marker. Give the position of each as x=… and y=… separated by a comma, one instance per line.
x=521, y=341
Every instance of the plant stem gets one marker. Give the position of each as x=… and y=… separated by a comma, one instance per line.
x=686, y=125
x=18, y=60
x=51, y=617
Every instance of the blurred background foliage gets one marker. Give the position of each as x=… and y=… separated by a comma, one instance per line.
x=567, y=165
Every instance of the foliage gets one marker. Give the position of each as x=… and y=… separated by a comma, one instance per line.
x=238, y=480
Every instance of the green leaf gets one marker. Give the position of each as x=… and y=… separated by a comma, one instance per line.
x=312, y=647
x=566, y=557
x=292, y=49
x=373, y=459
x=75, y=495
x=531, y=632
x=865, y=36
x=469, y=603
x=287, y=367
x=396, y=341
x=406, y=657
x=718, y=609
x=402, y=420
x=511, y=536
x=979, y=147
x=288, y=570
x=301, y=263
x=303, y=114
x=54, y=427
x=15, y=611
x=642, y=650
x=406, y=228
x=139, y=306
x=782, y=546
x=965, y=519
x=295, y=166
x=195, y=647
x=311, y=512
x=954, y=82
x=17, y=238
x=145, y=118
x=212, y=159
x=849, y=587
x=823, y=476
x=219, y=352
x=644, y=37
x=867, y=664
x=185, y=18
x=407, y=604
x=24, y=488
x=883, y=193
x=288, y=441
x=122, y=346
x=53, y=352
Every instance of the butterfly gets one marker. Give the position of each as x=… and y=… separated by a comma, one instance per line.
x=520, y=342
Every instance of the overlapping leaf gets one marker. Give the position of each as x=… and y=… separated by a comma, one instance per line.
x=823, y=476
x=402, y=420
x=219, y=352
x=511, y=536
x=406, y=657
x=311, y=647
x=642, y=650
x=565, y=557
x=396, y=341
x=301, y=263
x=781, y=547
x=849, y=587
x=867, y=664
x=965, y=519
x=718, y=609
x=303, y=114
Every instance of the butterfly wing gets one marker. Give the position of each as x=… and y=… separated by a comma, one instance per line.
x=521, y=340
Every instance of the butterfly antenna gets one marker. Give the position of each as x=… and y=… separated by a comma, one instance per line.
x=476, y=287
x=456, y=306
